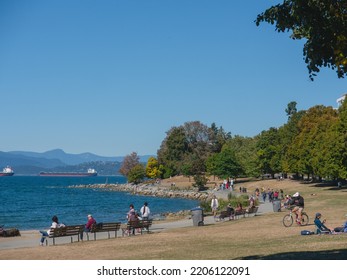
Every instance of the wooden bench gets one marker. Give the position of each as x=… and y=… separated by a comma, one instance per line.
x=65, y=231
x=239, y=213
x=225, y=214
x=136, y=225
x=252, y=210
x=104, y=227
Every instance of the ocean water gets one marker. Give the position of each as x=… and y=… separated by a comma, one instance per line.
x=29, y=202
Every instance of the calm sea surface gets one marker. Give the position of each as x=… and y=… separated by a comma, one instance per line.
x=29, y=202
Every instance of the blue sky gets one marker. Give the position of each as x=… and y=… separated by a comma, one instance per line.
x=112, y=77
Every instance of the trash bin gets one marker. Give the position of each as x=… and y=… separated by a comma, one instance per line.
x=276, y=204
x=197, y=216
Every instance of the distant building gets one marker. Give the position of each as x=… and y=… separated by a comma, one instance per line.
x=340, y=100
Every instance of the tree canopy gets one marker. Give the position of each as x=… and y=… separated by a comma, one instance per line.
x=323, y=23
x=312, y=143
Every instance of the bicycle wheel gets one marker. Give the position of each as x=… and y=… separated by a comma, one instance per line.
x=304, y=219
x=287, y=220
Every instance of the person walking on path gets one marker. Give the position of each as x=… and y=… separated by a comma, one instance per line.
x=214, y=206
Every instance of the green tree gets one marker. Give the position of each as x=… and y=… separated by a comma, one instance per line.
x=287, y=134
x=200, y=182
x=172, y=151
x=341, y=141
x=322, y=23
x=186, y=148
x=245, y=149
x=224, y=164
x=218, y=137
x=312, y=149
x=137, y=174
x=291, y=109
x=268, y=150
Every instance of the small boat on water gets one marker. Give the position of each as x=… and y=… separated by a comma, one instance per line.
x=7, y=171
x=90, y=173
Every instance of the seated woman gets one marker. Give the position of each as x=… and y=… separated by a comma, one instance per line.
x=238, y=207
x=321, y=228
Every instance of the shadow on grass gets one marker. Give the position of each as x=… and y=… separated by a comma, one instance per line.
x=318, y=255
x=330, y=187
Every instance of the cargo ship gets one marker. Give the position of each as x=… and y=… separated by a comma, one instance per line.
x=90, y=173
x=7, y=171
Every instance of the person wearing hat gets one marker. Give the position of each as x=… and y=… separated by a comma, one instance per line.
x=321, y=228
x=88, y=226
x=299, y=204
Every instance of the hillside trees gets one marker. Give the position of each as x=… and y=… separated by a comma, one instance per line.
x=312, y=142
x=322, y=23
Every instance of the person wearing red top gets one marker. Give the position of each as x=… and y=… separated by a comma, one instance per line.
x=88, y=226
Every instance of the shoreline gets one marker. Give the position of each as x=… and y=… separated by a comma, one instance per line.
x=154, y=190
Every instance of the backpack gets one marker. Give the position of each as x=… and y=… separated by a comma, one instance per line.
x=306, y=232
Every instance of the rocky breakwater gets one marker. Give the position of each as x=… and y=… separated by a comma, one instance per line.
x=151, y=190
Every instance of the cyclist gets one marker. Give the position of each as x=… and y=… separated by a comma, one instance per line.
x=298, y=203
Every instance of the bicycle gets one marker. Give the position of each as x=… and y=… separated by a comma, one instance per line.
x=288, y=219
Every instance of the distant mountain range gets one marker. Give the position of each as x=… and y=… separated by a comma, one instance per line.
x=32, y=162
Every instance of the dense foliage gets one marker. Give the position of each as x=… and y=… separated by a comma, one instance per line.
x=311, y=143
x=322, y=23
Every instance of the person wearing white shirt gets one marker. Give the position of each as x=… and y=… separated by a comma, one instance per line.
x=214, y=206
x=145, y=211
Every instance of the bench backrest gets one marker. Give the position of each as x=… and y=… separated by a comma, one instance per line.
x=139, y=223
x=66, y=231
x=114, y=226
